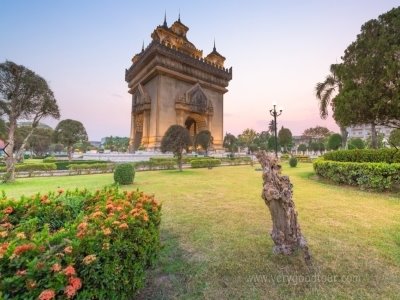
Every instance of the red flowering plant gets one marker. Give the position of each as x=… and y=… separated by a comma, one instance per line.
x=77, y=244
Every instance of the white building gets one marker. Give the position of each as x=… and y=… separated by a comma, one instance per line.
x=364, y=131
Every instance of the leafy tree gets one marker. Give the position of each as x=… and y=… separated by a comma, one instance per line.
x=230, y=143
x=116, y=143
x=56, y=147
x=39, y=141
x=285, y=138
x=83, y=146
x=394, y=138
x=261, y=140
x=23, y=95
x=334, y=141
x=204, y=140
x=379, y=141
x=271, y=143
x=317, y=133
x=176, y=139
x=302, y=148
x=247, y=137
x=69, y=132
x=356, y=143
x=370, y=75
x=317, y=147
x=253, y=148
x=325, y=91
x=271, y=127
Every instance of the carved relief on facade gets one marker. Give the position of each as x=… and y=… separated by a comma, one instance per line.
x=195, y=100
x=140, y=100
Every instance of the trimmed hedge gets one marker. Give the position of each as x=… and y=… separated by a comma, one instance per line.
x=109, y=167
x=63, y=164
x=77, y=244
x=165, y=164
x=377, y=176
x=124, y=174
x=364, y=155
x=32, y=167
x=205, y=162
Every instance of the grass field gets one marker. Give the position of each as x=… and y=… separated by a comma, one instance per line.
x=216, y=244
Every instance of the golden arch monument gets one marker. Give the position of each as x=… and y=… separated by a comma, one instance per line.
x=172, y=83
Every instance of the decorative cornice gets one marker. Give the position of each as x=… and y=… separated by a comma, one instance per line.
x=155, y=48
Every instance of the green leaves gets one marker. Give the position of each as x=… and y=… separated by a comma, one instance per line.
x=370, y=75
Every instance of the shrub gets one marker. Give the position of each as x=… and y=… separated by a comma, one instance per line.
x=124, y=174
x=77, y=243
x=205, y=162
x=378, y=176
x=364, y=155
x=293, y=162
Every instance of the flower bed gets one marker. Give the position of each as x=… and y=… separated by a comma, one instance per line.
x=77, y=244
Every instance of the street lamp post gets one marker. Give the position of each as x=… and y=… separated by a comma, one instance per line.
x=275, y=114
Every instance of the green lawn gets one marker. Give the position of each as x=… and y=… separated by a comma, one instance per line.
x=216, y=244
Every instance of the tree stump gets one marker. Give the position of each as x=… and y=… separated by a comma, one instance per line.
x=277, y=194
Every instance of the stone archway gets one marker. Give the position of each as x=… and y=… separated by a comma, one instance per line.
x=195, y=123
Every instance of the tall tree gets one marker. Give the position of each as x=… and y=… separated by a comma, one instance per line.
x=356, y=143
x=247, y=137
x=176, y=139
x=302, y=148
x=271, y=127
x=370, y=76
x=204, y=140
x=23, y=95
x=285, y=138
x=261, y=140
x=230, y=143
x=317, y=133
x=69, y=132
x=394, y=138
x=334, y=141
x=325, y=92
x=116, y=143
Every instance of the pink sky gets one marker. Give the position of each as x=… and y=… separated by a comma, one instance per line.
x=278, y=52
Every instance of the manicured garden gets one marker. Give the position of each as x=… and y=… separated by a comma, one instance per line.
x=215, y=243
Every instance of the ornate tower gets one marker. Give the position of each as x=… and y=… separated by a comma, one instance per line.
x=171, y=83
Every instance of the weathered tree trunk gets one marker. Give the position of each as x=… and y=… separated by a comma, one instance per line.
x=374, y=138
x=179, y=160
x=277, y=194
x=10, y=159
x=344, y=135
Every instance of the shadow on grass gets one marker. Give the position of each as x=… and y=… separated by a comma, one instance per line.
x=170, y=277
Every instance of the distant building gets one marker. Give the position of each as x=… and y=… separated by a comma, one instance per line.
x=364, y=131
x=298, y=140
x=96, y=144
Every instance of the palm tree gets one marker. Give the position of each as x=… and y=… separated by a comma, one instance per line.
x=324, y=92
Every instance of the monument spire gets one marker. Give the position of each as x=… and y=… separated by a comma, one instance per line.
x=165, y=19
x=214, y=49
x=143, y=46
x=179, y=16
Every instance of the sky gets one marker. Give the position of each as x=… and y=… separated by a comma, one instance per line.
x=278, y=50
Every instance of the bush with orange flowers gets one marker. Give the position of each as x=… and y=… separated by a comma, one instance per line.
x=77, y=244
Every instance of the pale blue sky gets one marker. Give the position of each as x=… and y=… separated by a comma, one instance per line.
x=278, y=50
